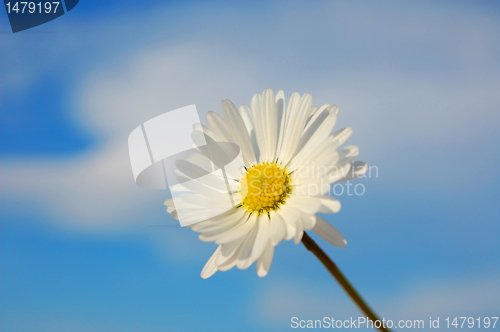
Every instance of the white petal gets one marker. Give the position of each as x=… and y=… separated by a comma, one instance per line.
x=192, y=216
x=245, y=114
x=220, y=153
x=299, y=232
x=255, y=108
x=169, y=203
x=202, y=161
x=297, y=113
x=228, y=250
x=278, y=228
x=267, y=129
x=210, y=268
x=212, y=234
x=245, y=252
x=200, y=188
x=195, y=201
x=236, y=126
x=348, y=154
x=357, y=169
x=290, y=217
x=200, y=132
x=174, y=215
x=255, y=104
x=202, y=176
x=281, y=114
x=310, y=157
x=306, y=204
x=313, y=111
x=218, y=126
x=227, y=235
x=230, y=262
x=339, y=172
x=312, y=187
x=248, y=221
x=320, y=125
x=308, y=221
x=340, y=136
x=329, y=233
x=329, y=204
x=264, y=261
x=313, y=137
x=230, y=217
x=262, y=237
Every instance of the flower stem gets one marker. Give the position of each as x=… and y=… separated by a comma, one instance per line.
x=346, y=285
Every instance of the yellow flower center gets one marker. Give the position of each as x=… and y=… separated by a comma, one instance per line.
x=264, y=187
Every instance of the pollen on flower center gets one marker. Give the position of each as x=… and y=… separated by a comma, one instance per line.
x=264, y=187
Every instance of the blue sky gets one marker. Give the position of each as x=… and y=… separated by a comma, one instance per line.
x=417, y=81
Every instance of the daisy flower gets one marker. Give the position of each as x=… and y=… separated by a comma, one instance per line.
x=289, y=160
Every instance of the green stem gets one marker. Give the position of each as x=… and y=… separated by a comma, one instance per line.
x=346, y=285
